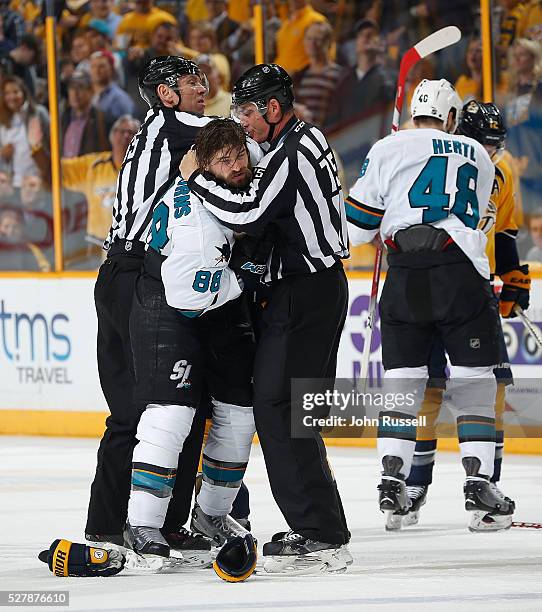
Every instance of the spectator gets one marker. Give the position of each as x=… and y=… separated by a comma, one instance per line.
x=108, y=96
x=136, y=27
x=218, y=102
x=80, y=51
x=223, y=26
x=17, y=110
x=469, y=85
x=532, y=23
x=102, y=10
x=22, y=61
x=84, y=127
x=369, y=85
x=290, y=52
x=315, y=85
x=37, y=209
x=99, y=40
x=15, y=252
x=240, y=45
x=202, y=38
x=13, y=25
x=163, y=42
x=535, y=231
x=511, y=28
x=524, y=117
x=7, y=192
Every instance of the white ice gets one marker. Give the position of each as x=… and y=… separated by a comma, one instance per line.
x=437, y=565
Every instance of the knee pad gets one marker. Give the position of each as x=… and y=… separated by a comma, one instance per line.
x=165, y=426
x=231, y=434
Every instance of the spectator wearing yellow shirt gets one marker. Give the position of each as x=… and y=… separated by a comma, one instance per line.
x=532, y=24
x=218, y=101
x=291, y=54
x=469, y=85
x=202, y=39
x=136, y=27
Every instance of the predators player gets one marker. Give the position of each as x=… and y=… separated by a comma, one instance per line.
x=425, y=191
x=484, y=123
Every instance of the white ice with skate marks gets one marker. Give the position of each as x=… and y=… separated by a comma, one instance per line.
x=436, y=565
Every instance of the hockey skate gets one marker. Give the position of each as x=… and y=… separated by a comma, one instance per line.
x=294, y=554
x=417, y=495
x=393, y=498
x=195, y=548
x=344, y=552
x=485, y=498
x=481, y=520
x=219, y=529
x=152, y=552
x=114, y=541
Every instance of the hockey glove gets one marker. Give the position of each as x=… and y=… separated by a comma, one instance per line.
x=236, y=560
x=516, y=288
x=249, y=260
x=65, y=558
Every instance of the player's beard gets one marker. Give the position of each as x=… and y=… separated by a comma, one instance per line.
x=240, y=179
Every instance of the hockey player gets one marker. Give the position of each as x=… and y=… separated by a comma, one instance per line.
x=175, y=91
x=425, y=191
x=296, y=193
x=190, y=335
x=484, y=123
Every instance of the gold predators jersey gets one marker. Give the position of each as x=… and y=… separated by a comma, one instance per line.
x=503, y=197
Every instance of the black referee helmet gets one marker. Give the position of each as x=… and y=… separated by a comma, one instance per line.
x=483, y=122
x=165, y=70
x=261, y=83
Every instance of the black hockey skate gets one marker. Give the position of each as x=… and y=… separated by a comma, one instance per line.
x=485, y=499
x=344, y=552
x=417, y=495
x=393, y=498
x=152, y=550
x=219, y=529
x=101, y=540
x=295, y=554
x=194, y=547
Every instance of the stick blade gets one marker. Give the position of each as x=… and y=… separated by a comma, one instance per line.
x=438, y=40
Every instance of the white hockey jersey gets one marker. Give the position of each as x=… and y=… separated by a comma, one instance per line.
x=197, y=248
x=424, y=176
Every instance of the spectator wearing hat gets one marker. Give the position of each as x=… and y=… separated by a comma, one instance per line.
x=99, y=40
x=85, y=128
x=369, y=84
x=136, y=27
x=108, y=96
x=102, y=10
x=218, y=101
x=291, y=54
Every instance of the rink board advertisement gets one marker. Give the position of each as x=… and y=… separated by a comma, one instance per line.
x=48, y=353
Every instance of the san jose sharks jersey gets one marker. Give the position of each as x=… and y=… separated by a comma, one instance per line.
x=424, y=176
x=197, y=249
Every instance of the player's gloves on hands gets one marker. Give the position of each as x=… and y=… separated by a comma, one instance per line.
x=249, y=261
x=516, y=288
x=66, y=558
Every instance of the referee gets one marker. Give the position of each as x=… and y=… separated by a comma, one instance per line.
x=296, y=195
x=175, y=91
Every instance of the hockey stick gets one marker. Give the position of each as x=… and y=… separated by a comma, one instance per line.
x=527, y=525
x=434, y=42
x=529, y=325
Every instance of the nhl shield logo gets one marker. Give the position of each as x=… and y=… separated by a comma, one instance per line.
x=475, y=343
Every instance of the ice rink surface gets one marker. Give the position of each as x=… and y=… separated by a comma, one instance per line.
x=437, y=565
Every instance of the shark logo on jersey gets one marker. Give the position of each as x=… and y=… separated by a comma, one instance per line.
x=225, y=253
x=181, y=372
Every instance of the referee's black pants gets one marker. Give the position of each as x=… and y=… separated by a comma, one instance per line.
x=300, y=333
x=110, y=490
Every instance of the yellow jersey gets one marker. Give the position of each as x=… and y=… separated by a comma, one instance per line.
x=290, y=49
x=135, y=29
x=503, y=196
x=94, y=175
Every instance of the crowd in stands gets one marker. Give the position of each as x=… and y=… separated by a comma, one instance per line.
x=343, y=56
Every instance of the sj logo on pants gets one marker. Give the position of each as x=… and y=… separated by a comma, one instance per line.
x=181, y=372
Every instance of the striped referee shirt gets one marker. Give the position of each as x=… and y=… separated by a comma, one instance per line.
x=296, y=190
x=151, y=162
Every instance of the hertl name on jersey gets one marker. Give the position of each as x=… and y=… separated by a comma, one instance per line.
x=442, y=146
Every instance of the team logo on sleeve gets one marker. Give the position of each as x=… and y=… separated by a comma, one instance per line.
x=225, y=253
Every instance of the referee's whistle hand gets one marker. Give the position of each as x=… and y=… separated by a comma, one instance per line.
x=188, y=165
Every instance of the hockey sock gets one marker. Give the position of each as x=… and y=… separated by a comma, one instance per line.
x=241, y=503
x=221, y=483
x=500, y=404
x=477, y=439
x=396, y=439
